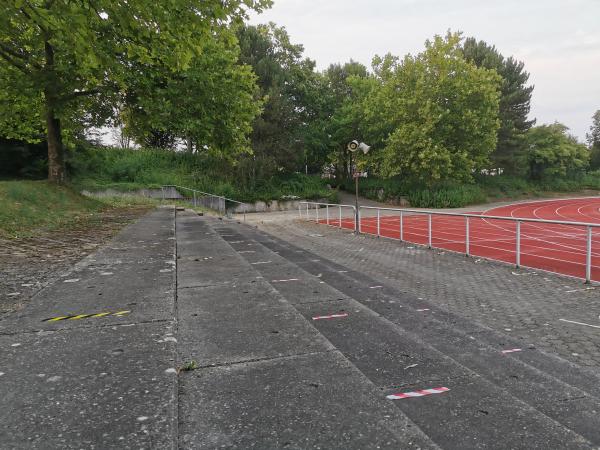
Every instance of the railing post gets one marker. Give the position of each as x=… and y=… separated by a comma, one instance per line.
x=299, y=210
x=357, y=225
x=163, y=193
x=401, y=226
x=194, y=199
x=467, y=246
x=518, y=256
x=327, y=213
x=378, y=224
x=340, y=211
x=588, y=256
x=307, y=218
x=317, y=211
x=429, y=228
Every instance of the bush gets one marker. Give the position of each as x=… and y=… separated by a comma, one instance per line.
x=447, y=197
x=96, y=169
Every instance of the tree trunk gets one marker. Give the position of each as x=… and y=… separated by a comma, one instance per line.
x=56, y=160
x=190, y=146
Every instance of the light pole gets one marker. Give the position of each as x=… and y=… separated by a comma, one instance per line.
x=353, y=147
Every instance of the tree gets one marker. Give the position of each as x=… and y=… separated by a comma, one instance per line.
x=287, y=85
x=72, y=57
x=552, y=151
x=211, y=104
x=515, y=98
x=593, y=140
x=439, y=113
x=345, y=86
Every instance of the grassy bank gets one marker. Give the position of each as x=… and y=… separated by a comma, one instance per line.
x=97, y=169
x=29, y=206
x=484, y=189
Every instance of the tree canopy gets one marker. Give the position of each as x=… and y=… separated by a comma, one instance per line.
x=593, y=140
x=441, y=113
x=515, y=99
x=65, y=61
x=552, y=151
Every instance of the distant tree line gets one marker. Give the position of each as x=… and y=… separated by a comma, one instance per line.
x=194, y=77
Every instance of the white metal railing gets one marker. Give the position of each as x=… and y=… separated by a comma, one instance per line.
x=330, y=218
x=197, y=196
x=403, y=212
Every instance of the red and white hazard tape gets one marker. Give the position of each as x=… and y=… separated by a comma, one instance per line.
x=512, y=350
x=421, y=393
x=331, y=316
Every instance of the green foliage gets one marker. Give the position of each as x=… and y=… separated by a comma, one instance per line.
x=67, y=64
x=441, y=113
x=286, y=83
x=552, y=151
x=211, y=104
x=97, y=169
x=515, y=99
x=593, y=140
x=447, y=196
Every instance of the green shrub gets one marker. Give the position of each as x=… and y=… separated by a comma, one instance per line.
x=447, y=197
x=96, y=169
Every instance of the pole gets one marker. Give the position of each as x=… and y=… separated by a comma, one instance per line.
x=378, y=226
x=467, y=244
x=356, y=219
x=327, y=213
x=518, y=257
x=401, y=226
x=588, y=256
x=340, y=211
x=317, y=211
x=429, y=222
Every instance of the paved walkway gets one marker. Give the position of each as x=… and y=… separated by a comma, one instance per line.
x=291, y=339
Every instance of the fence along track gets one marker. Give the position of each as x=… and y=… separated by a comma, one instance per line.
x=308, y=209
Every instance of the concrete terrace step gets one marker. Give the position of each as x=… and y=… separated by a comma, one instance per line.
x=103, y=378
x=266, y=377
x=525, y=399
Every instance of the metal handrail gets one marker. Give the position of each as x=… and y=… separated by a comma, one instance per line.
x=203, y=193
x=481, y=216
x=327, y=205
x=196, y=191
x=467, y=216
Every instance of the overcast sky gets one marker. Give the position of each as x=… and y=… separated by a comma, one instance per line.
x=559, y=40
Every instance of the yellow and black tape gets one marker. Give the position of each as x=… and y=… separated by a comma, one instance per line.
x=86, y=316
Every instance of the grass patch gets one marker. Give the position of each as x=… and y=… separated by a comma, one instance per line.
x=29, y=206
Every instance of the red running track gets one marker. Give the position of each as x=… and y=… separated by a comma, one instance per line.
x=551, y=247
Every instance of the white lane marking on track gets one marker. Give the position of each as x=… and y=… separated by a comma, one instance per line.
x=579, y=323
x=422, y=309
x=375, y=287
x=261, y=262
x=247, y=251
x=283, y=281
